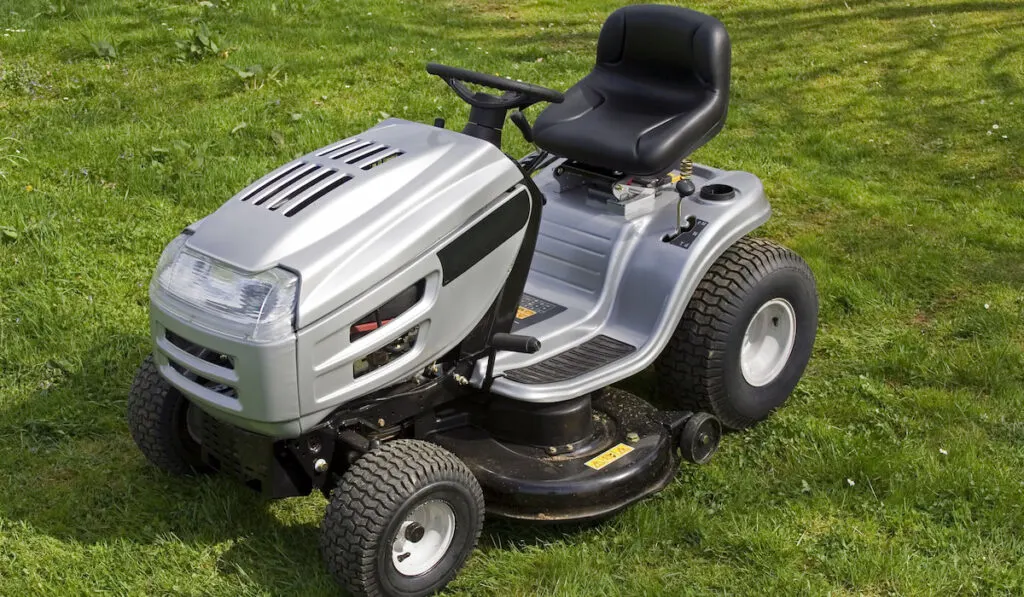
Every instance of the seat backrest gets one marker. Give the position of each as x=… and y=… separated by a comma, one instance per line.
x=669, y=44
x=658, y=91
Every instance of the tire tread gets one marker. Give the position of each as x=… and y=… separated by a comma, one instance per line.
x=690, y=368
x=152, y=406
x=370, y=493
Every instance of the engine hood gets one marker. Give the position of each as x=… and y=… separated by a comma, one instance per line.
x=353, y=213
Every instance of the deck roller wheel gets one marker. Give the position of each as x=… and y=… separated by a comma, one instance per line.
x=698, y=441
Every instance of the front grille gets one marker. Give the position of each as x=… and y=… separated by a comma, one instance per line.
x=210, y=356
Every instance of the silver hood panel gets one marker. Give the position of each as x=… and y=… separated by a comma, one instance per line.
x=352, y=213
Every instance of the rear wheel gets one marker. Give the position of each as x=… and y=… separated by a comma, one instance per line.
x=162, y=422
x=746, y=336
x=403, y=521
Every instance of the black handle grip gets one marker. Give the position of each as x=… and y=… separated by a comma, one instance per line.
x=460, y=74
x=515, y=343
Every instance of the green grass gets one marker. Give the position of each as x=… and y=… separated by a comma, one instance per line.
x=895, y=469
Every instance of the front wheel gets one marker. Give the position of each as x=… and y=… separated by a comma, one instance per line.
x=403, y=521
x=746, y=336
x=162, y=422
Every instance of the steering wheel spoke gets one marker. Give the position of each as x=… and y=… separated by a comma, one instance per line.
x=480, y=99
x=517, y=94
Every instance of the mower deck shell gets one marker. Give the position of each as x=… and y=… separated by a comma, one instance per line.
x=529, y=483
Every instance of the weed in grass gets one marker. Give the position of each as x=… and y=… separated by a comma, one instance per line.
x=61, y=9
x=254, y=77
x=302, y=7
x=180, y=159
x=199, y=43
x=103, y=49
x=8, y=234
x=21, y=78
x=9, y=154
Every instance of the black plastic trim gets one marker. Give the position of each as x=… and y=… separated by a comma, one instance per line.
x=717, y=192
x=502, y=314
x=484, y=237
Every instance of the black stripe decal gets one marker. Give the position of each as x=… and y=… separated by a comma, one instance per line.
x=484, y=237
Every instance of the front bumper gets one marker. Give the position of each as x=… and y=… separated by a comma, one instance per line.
x=275, y=468
x=251, y=386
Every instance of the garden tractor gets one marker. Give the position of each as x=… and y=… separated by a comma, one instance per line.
x=425, y=329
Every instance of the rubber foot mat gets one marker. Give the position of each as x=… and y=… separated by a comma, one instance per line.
x=592, y=354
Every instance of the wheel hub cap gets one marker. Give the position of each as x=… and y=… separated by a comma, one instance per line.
x=193, y=421
x=423, y=538
x=768, y=342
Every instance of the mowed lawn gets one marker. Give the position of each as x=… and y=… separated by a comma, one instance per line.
x=889, y=135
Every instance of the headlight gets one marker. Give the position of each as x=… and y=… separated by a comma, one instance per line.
x=254, y=307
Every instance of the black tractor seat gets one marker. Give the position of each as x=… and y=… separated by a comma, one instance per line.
x=659, y=90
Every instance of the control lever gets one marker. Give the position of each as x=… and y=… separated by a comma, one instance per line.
x=515, y=343
x=685, y=188
x=519, y=119
x=508, y=343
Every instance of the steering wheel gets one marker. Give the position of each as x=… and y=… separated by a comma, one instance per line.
x=517, y=94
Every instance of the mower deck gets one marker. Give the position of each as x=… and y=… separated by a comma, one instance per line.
x=630, y=456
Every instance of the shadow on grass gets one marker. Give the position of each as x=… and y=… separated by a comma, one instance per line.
x=69, y=470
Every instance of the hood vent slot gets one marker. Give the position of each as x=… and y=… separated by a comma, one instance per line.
x=282, y=190
x=366, y=155
x=295, y=186
x=317, y=175
x=385, y=155
x=317, y=195
x=257, y=189
x=287, y=182
x=336, y=146
x=346, y=149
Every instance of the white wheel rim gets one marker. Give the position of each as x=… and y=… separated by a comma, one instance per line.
x=436, y=520
x=768, y=342
x=191, y=422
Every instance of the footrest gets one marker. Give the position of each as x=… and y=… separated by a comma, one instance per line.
x=592, y=354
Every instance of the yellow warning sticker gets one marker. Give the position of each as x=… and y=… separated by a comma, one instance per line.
x=523, y=313
x=608, y=456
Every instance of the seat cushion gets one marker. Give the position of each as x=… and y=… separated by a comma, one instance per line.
x=659, y=91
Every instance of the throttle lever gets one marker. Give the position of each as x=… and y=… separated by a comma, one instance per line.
x=519, y=119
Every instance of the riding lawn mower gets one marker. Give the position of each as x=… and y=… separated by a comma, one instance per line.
x=425, y=329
